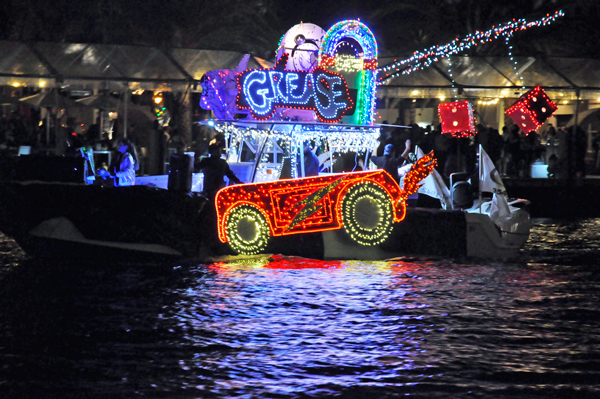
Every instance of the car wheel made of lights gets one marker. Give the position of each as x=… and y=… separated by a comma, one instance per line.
x=367, y=213
x=247, y=230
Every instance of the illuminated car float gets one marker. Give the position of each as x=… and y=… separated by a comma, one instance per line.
x=365, y=204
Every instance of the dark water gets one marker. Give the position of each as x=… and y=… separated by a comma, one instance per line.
x=425, y=328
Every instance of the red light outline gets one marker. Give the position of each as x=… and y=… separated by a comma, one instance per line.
x=266, y=196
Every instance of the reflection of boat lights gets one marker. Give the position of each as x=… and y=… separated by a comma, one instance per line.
x=279, y=262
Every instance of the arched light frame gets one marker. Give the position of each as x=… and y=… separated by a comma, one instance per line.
x=362, y=34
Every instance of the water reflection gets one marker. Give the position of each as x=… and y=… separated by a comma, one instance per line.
x=292, y=327
x=294, y=323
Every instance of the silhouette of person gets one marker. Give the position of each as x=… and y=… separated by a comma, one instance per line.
x=214, y=169
x=311, y=162
x=391, y=163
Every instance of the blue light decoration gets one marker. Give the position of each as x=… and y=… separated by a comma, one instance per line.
x=350, y=46
x=423, y=59
x=320, y=90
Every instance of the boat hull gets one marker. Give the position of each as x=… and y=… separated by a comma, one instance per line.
x=72, y=222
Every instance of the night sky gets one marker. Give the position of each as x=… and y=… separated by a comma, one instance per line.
x=255, y=26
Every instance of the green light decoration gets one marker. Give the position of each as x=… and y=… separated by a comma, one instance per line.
x=247, y=230
x=361, y=62
x=367, y=214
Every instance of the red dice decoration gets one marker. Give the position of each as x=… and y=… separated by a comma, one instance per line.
x=531, y=110
x=457, y=119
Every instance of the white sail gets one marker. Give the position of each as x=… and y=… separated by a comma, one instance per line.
x=434, y=186
x=499, y=210
x=489, y=178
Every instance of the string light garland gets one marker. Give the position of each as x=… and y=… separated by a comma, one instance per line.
x=514, y=61
x=451, y=74
x=422, y=59
x=342, y=137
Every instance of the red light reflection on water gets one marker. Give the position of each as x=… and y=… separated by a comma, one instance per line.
x=277, y=262
x=287, y=262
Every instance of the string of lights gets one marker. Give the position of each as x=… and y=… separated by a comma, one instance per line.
x=334, y=53
x=422, y=59
x=343, y=137
x=510, y=55
x=418, y=171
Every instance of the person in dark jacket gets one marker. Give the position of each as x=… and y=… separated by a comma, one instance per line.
x=214, y=169
x=311, y=162
x=389, y=162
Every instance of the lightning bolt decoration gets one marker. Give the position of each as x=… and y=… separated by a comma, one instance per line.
x=311, y=203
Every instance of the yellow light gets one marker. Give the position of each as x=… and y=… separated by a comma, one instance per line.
x=442, y=98
x=348, y=63
x=158, y=98
x=415, y=92
x=16, y=84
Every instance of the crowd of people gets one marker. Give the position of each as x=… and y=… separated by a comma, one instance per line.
x=512, y=151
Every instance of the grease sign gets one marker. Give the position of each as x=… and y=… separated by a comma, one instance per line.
x=320, y=90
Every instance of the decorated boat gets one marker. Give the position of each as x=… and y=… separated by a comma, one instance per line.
x=316, y=103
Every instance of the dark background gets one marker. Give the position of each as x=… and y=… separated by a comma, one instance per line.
x=255, y=26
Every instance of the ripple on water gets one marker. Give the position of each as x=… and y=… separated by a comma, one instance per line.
x=285, y=327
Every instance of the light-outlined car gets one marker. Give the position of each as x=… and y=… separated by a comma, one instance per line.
x=365, y=204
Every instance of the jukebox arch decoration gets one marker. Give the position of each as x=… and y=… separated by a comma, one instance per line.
x=349, y=47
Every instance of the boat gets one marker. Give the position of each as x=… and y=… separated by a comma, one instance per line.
x=149, y=221
x=348, y=210
x=486, y=208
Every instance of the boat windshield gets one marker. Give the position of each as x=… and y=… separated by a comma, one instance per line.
x=268, y=152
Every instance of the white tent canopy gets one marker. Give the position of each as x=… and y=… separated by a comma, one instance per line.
x=110, y=67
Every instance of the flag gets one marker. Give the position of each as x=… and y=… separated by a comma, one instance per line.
x=489, y=178
x=499, y=209
x=434, y=186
